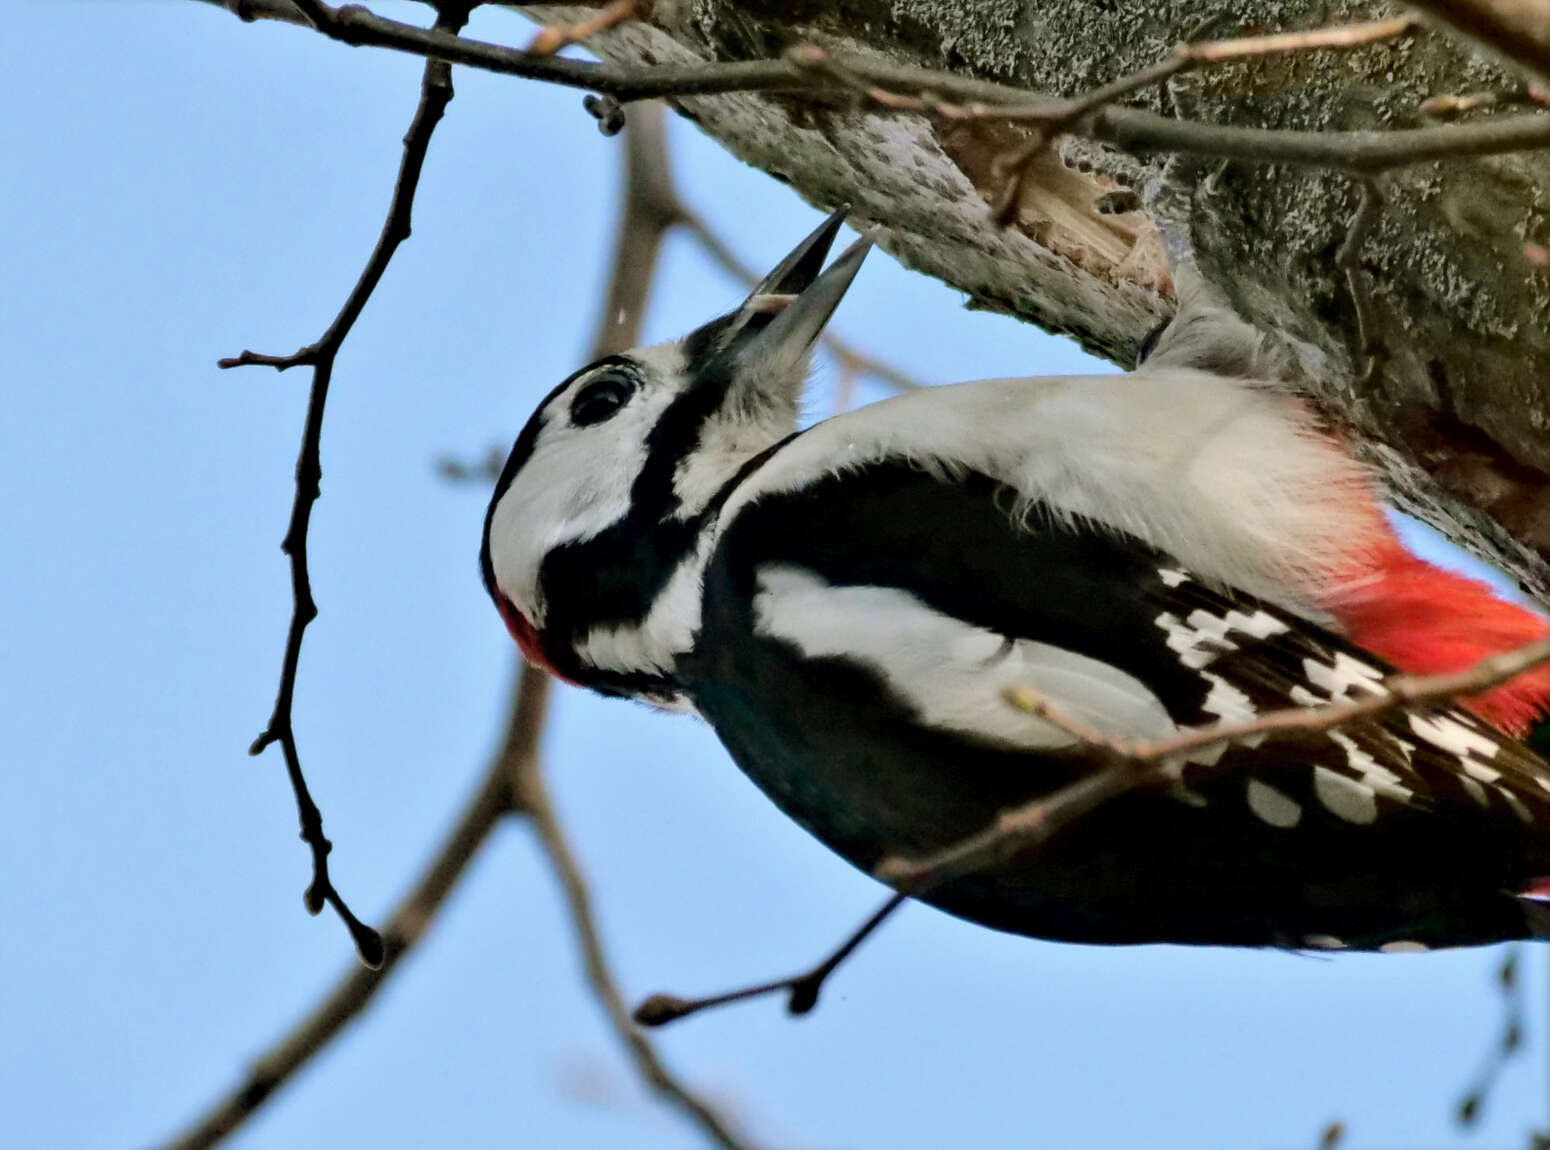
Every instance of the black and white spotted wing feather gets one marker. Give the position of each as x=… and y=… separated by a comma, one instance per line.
x=858, y=633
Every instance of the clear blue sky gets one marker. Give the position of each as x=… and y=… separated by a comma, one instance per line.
x=178, y=186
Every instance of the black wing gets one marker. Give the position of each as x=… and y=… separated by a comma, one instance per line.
x=859, y=633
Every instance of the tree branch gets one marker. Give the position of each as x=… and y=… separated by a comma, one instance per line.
x=413, y=916
x=533, y=800
x=1132, y=764
x=1360, y=153
x=1127, y=766
x=802, y=989
x=512, y=783
x=435, y=95
x=642, y=229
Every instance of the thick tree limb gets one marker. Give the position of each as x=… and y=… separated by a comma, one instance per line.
x=1456, y=299
x=1134, y=130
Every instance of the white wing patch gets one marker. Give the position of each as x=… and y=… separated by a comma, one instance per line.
x=952, y=674
x=1344, y=797
x=1202, y=636
x=1448, y=734
x=1347, y=677
x=1373, y=774
x=1271, y=806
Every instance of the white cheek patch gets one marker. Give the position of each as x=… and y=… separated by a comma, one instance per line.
x=578, y=480
x=950, y=673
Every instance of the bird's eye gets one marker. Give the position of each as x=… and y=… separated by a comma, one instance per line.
x=600, y=399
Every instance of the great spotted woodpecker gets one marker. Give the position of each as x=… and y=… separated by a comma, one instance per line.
x=1150, y=552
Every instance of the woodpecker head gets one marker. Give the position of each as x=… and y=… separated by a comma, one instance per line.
x=603, y=498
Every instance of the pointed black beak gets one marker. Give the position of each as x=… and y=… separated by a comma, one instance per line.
x=794, y=274
x=800, y=319
x=771, y=334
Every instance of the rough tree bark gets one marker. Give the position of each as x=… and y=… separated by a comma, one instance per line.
x=1457, y=411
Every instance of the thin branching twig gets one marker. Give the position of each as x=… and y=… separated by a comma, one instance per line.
x=1125, y=766
x=1354, y=152
x=550, y=40
x=512, y=785
x=435, y=95
x=1507, y=1046
x=802, y=989
x=357, y=988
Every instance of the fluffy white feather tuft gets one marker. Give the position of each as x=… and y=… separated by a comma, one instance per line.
x=1233, y=478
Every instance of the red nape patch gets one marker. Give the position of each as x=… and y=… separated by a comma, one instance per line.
x=527, y=638
x=1428, y=621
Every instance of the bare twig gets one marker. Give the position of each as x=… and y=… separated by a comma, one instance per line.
x=1054, y=115
x=535, y=803
x=1447, y=106
x=550, y=40
x=1133, y=764
x=1129, y=765
x=642, y=229
x=1396, y=691
x=1051, y=119
x=1359, y=153
x=1186, y=57
x=512, y=784
x=641, y=232
x=1508, y=1045
x=802, y=989
x=435, y=94
x=356, y=989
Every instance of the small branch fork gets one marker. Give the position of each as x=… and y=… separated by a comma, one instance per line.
x=513, y=784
